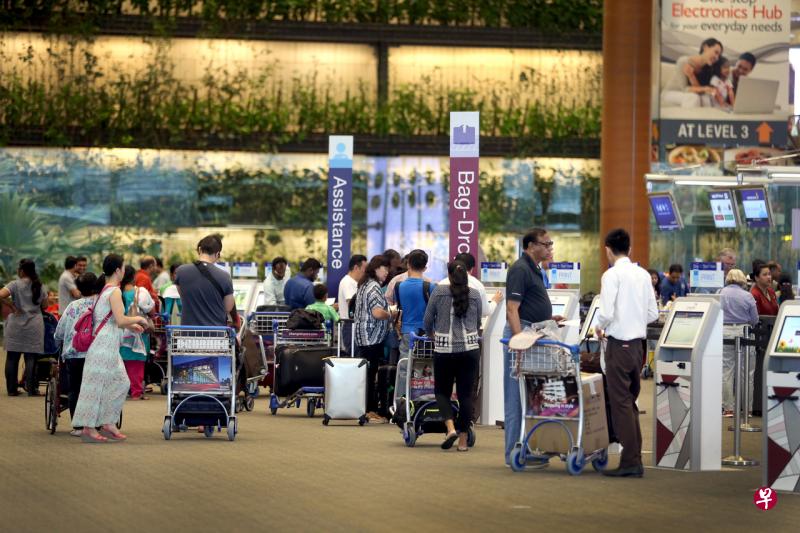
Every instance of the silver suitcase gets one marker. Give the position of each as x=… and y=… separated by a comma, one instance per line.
x=345, y=389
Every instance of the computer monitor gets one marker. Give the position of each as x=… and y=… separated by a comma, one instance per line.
x=755, y=203
x=204, y=373
x=591, y=322
x=558, y=309
x=242, y=292
x=683, y=329
x=788, y=341
x=723, y=209
x=665, y=211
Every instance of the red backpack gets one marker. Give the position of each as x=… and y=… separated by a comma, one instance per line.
x=84, y=327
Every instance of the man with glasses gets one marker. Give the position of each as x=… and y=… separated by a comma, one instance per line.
x=527, y=302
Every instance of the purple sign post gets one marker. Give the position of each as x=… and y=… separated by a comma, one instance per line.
x=340, y=212
x=464, y=172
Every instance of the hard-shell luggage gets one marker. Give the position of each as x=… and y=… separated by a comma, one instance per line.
x=300, y=366
x=386, y=382
x=345, y=389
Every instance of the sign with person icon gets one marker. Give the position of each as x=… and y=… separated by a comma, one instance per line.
x=340, y=204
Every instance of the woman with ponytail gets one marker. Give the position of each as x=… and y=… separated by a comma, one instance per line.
x=452, y=320
x=24, y=328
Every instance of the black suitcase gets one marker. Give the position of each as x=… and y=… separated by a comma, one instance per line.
x=387, y=375
x=300, y=366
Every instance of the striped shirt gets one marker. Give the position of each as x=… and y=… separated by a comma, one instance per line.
x=369, y=330
x=451, y=333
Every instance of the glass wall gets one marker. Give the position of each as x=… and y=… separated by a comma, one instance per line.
x=701, y=241
x=58, y=201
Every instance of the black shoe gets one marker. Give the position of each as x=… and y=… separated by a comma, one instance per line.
x=15, y=393
x=627, y=471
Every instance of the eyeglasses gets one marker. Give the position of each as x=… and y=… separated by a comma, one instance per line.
x=548, y=244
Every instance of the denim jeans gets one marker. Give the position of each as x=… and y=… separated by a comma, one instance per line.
x=511, y=402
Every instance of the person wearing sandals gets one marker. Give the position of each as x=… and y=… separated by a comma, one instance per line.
x=105, y=382
x=135, y=346
x=452, y=320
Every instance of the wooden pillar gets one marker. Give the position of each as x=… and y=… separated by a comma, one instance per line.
x=625, y=149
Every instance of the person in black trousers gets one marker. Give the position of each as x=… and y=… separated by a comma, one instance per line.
x=452, y=320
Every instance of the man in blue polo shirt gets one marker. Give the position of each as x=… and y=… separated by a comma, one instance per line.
x=299, y=290
x=527, y=302
x=411, y=298
x=674, y=285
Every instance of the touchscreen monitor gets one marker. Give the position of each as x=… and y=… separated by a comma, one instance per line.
x=755, y=205
x=201, y=373
x=591, y=322
x=723, y=209
x=684, y=328
x=558, y=309
x=665, y=211
x=789, y=337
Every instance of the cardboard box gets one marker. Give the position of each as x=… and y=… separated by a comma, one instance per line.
x=553, y=438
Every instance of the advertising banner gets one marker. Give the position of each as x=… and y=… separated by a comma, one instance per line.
x=724, y=74
x=340, y=212
x=464, y=172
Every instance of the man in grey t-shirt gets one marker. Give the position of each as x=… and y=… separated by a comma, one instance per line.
x=67, y=289
x=206, y=302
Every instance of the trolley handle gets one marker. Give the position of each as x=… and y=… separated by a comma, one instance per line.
x=574, y=350
x=230, y=331
x=413, y=339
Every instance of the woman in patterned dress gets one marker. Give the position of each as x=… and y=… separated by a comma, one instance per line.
x=105, y=381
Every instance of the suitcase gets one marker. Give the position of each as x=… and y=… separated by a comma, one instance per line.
x=386, y=383
x=345, y=389
x=300, y=366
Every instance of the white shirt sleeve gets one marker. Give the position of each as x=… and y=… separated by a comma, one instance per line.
x=146, y=303
x=609, y=287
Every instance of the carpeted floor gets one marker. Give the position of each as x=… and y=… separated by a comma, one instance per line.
x=289, y=473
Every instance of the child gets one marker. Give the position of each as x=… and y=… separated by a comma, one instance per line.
x=320, y=295
x=52, y=304
x=724, y=96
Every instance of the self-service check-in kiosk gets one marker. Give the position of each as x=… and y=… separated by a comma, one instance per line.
x=245, y=285
x=587, y=329
x=688, y=392
x=566, y=303
x=493, y=275
x=781, y=398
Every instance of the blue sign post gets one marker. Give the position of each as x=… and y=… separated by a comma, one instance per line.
x=340, y=203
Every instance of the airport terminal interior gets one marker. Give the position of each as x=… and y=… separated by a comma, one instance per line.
x=585, y=214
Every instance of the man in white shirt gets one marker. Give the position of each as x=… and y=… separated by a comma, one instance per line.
x=627, y=305
x=348, y=286
x=275, y=282
x=488, y=306
x=162, y=278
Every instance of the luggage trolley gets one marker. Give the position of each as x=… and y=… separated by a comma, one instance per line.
x=156, y=364
x=200, y=380
x=258, y=354
x=416, y=409
x=548, y=358
x=310, y=338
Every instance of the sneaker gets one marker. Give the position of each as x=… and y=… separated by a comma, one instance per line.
x=75, y=433
x=728, y=413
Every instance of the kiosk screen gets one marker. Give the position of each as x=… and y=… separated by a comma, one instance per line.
x=723, y=209
x=558, y=309
x=240, y=294
x=684, y=328
x=592, y=321
x=201, y=373
x=789, y=339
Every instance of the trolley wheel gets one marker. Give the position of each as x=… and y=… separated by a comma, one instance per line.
x=471, y=437
x=249, y=403
x=163, y=386
x=601, y=461
x=232, y=428
x=517, y=459
x=575, y=461
x=238, y=405
x=208, y=431
x=311, y=406
x=51, y=406
x=409, y=435
x=297, y=402
x=273, y=404
x=362, y=420
x=167, y=428
x=325, y=420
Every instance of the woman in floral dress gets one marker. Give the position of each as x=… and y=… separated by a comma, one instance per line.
x=105, y=381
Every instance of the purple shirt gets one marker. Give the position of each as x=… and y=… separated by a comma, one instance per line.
x=738, y=306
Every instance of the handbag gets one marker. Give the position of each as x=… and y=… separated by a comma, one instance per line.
x=590, y=359
x=134, y=310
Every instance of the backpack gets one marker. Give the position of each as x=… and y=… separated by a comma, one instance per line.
x=84, y=327
x=305, y=319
